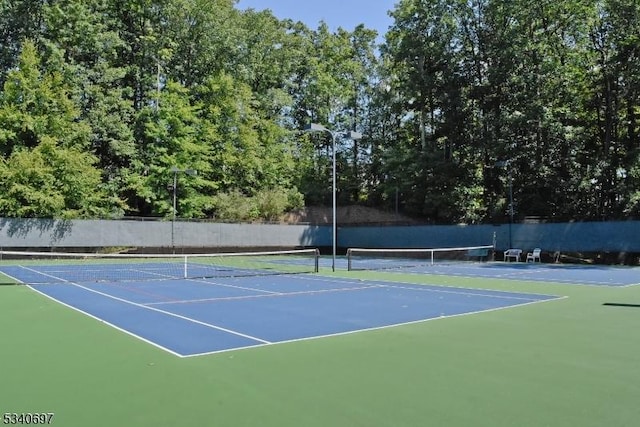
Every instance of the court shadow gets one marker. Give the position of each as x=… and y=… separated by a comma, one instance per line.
x=619, y=304
x=7, y=283
x=316, y=236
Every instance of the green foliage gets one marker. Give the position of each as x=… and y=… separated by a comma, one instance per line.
x=45, y=171
x=50, y=181
x=249, y=151
x=545, y=85
x=234, y=206
x=36, y=105
x=269, y=204
x=172, y=138
x=140, y=87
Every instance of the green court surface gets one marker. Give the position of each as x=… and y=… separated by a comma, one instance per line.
x=567, y=362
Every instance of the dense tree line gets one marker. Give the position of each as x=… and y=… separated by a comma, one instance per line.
x=550, y=86
x=100, y=99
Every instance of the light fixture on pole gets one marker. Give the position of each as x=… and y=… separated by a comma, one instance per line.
x=507, y=164
x=175, y=170
x=314, y=127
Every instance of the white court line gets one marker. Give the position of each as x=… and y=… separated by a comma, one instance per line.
x=629, y=285
x=509, y=277
x=225, y=285
x=96, y=317
x=373, y=284
x=273, y=294
x=101, y=320
x=168, y=313
x=263, y=343
x=207, y=282
x=428, y=287
x=375, y=328
x=147, y=272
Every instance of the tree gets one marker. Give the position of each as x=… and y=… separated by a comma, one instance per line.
x=83, y=43
x=19, y=20
x=34, y=106
x=49, y=181
x=172, y=138
x=423, y=51
x=45, y=169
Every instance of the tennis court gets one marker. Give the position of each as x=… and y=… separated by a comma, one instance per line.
x=502, y=352
x=202, y=307
x=568, y=274
x=445, y=262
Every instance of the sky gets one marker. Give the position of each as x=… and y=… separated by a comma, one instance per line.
x=336, y=13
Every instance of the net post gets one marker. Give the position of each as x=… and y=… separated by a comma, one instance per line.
x=186, y=272
x=349, y=259
x=493, y=250
x=317, y=260
x=432, y=260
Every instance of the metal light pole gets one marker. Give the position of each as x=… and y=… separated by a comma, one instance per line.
x=175, y=172
x=507, y=164
x=314, y=127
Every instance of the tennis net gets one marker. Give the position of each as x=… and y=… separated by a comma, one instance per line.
x=393, y=258
x=61, y=267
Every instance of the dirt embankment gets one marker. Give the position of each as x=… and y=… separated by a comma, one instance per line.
x=346, y=215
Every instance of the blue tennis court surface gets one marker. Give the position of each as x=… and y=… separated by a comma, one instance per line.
x=557, y=273
x=595, y=275
x=190, y=317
